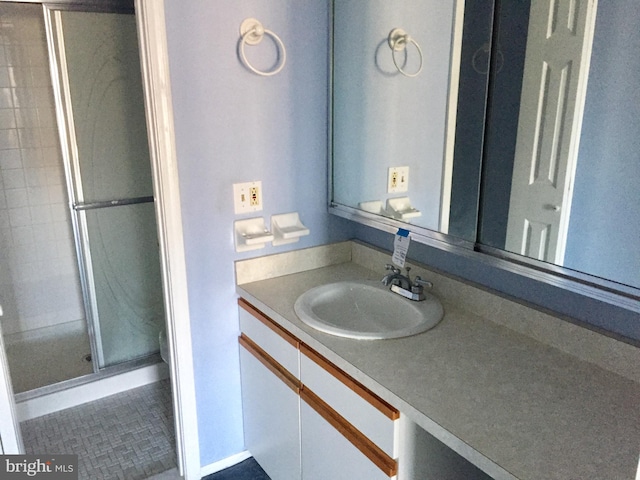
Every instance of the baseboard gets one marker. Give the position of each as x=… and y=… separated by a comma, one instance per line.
x=224, y=463
x=88, y=392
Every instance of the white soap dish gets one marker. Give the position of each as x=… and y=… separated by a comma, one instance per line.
x=287, y=228
x=374, y=206
x=251, y=234
x=401, y=208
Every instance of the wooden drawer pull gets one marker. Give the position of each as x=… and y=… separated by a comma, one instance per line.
x=385, y=408
x=268, y=322
x=268, y=361
x=374, y=453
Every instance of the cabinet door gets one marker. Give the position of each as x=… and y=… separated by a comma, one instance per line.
x=375, y=418
x=328, y=454
x=271, y=415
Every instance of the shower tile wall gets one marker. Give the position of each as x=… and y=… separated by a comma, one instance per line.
x=39, y=282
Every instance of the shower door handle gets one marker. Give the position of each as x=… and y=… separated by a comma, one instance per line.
x=111, y=203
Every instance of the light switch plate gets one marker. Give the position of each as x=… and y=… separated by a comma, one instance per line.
x=247, y=197
x=398, y=179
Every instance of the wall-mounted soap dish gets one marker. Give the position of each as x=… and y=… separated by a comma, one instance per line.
x=401, y=208
x=374, y=206
x=251, y=234
x=287, y=228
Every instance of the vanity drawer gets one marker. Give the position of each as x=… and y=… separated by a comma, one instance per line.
x=269, y=336
x=333, y=449
x=368, y=413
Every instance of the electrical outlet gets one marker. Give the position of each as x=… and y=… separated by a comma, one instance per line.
x=398, y=179
x=254, y=196
x=247, y=197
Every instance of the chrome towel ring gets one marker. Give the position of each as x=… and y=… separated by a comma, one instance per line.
x=398, y=40
x=251, y=33
x=485, y=50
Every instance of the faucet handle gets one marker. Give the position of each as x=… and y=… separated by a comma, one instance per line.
x=395, y=270
x=423, y=283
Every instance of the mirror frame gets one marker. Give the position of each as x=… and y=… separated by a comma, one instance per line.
x=596, y=288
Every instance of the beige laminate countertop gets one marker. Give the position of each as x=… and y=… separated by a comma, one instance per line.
x=513, y=406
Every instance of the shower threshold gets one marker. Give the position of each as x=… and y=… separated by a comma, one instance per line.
x=89, y=378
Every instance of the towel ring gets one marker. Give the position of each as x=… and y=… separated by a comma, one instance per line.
x=486, y=49
x=251, y=33
x=398, y=40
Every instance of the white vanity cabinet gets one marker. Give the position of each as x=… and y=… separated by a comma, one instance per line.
x=270, y=394
x=347, y=432
x=306, y=418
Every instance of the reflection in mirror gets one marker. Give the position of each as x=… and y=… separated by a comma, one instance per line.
x=470, y=118
x=561, y=174
x=395, y=85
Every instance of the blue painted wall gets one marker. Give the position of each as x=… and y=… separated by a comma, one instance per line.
x=604, y=215
x=234, y=126
x=385, y=119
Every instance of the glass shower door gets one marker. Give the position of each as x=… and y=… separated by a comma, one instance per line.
x=109, y=177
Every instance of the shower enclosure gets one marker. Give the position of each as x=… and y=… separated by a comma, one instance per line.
x=79, y=255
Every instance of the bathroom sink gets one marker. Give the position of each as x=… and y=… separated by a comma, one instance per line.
x=366, y=310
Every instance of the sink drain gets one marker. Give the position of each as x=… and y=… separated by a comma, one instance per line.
x=87, y=358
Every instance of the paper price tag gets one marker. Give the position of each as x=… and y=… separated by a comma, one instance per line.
x=400, y=247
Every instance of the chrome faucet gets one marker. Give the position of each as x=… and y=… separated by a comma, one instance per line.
x=396, y=278
x=402, y=284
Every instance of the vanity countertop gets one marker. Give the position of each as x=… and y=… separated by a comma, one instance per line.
x=513, y=406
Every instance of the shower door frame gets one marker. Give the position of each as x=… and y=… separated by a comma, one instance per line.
x=72, y=167
x=154, y=62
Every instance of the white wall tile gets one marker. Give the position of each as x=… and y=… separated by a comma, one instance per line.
x=29, y=137
x=10, y=159
x=36, y=177
x=6, y=97
x=5, y=79
x=40, y=284
x=23, y=98
x=41, y=214
x=13, y=178
x=32, y=157
x=7, y=117
x=19, y=217
x=26, y=117
x=22, y=235
x=17, y=197
x=44, y=232
x=9, y=138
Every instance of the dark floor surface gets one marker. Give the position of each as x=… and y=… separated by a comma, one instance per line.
x=246, y=470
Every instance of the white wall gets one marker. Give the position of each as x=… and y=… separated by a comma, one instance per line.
x=235, y=126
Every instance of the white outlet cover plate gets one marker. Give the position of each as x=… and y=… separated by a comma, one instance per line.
x=401, y=183
x=241, y=197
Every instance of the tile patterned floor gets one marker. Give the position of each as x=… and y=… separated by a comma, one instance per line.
x=128, y=436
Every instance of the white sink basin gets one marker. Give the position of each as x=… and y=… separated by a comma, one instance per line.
x=366, y=310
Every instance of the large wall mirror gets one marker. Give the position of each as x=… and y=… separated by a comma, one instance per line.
x=517, y=125
x=395, y=94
